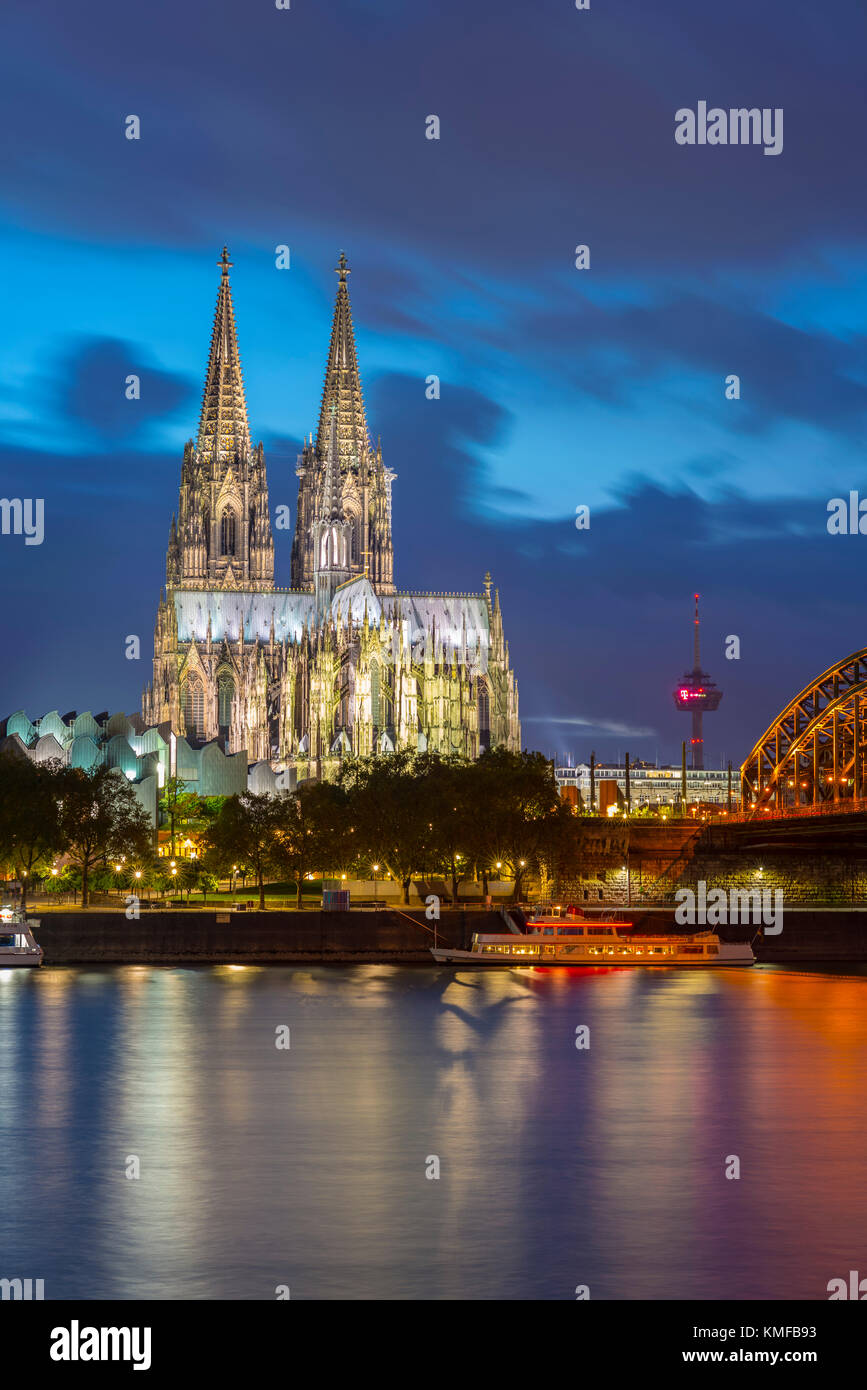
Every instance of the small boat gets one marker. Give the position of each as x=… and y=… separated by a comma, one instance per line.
x=18, y=945
x=553, y=936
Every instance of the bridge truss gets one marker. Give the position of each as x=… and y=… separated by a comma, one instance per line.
x=813, y=753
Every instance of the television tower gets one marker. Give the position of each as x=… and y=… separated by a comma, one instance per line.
x=698, y=694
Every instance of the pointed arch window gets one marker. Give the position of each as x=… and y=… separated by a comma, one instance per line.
x=228, y=531
x=374, y=694
x=194, y=707
x=484, y=708
x=354, y=539
x=225, y=696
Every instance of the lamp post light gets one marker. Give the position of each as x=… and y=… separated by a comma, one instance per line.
x=375, y=869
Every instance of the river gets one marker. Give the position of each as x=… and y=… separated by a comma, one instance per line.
x=304, y=1167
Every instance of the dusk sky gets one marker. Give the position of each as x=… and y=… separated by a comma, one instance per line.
x=262, y=127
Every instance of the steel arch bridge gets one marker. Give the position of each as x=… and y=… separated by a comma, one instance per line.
x=813, y=753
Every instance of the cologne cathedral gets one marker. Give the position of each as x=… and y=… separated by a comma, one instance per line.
x=342, y=662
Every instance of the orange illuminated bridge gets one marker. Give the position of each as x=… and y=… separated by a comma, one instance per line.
x=812, y=756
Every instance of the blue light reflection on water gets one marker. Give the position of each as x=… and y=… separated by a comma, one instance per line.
x=306, y=1167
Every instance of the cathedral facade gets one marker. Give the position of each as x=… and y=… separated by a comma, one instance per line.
x=341, y=662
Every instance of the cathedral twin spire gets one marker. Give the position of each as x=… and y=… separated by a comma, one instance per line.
x=343, y=460
x=223, y=427
x=342, y=390
x=222, y=537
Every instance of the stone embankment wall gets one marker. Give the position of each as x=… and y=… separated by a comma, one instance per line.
x=623, y=862
x=830, y=881
x=819, y=864
x=250, y=937
x=189, y=938
x=818, y=935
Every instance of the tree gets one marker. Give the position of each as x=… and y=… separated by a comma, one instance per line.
x=172, y=792
x=189, y=875
x=207, y=883
x=247, y=829
x=390, y=812
x=30, y=833
x=186, y=811
x=515, y=793
x=61, y=882
x=100, y=820
x=451, y=813
x=314, y=830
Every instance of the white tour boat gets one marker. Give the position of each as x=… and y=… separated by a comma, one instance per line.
x=17, y=943
x=554, y=936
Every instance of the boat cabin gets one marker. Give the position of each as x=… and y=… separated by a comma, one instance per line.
x=598, y=940
x=15, y=940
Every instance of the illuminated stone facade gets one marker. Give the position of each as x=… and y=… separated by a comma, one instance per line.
x=341, y=662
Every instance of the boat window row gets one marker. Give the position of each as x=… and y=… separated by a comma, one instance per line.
x=577, y=931
x=614, y=951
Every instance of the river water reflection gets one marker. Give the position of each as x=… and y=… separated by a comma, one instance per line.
x=306, y=1167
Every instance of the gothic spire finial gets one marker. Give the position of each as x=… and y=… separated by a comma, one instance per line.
x=223, y=427
x=342, y=390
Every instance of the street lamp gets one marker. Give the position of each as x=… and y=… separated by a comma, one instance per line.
x=375, y=869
